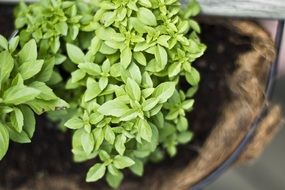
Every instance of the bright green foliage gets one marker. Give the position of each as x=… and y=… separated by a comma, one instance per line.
x=22, y=92
x=126, y=63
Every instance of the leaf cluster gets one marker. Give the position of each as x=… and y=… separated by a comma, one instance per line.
x=126, y=62
x=22, y=92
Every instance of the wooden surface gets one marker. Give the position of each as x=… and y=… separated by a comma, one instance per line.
x=270, y=9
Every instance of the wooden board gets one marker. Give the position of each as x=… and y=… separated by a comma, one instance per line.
x=270, y=9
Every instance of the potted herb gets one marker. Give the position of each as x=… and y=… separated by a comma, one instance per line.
x=124, y=83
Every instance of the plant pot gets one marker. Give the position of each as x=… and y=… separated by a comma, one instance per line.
x=230, y=99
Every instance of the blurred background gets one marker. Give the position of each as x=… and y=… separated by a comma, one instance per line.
x=268, y=172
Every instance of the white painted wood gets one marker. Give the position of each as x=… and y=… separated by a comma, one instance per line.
x=270, y=9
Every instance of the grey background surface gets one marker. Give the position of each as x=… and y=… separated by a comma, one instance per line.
x=266, y=173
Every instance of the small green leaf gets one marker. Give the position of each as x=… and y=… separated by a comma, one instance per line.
x=22, y=137
x=96, y=172
x=103, y=82
x=164, y=91
x=13, y=43
x=161, y=56
x=120, y=144
x=137, y=168
x=6, y=65
x=17, y=120
x=29, y=121
x=3, y=42
x=75, y=54
x=93, y=89
x=87, y=141
x=30, y=68
x=29, y=52
x=74, y=123
x=91, y=68
x=140, y=58
x=133, y=89
x=20, y=94
x=77, y=76
x=121, y=162
x=188, y=104
x=114, y=107
x=114, y=180
x=146, y=16
x=126, y=57
x=144, y=130
x=184, y=137
x=193, y=77
x=4, y=140
x=149, y=104
x=109, y=135
x=174, y=69
x=99, y=137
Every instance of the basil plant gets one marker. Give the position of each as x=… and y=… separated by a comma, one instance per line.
x=126, y=72
x=23, y=92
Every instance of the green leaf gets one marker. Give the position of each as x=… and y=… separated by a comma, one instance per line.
x=126, y=57
x=13, y=43
x=6, y=65
x=46, y=92
x=146, y=16
x=96, y=172
x=22, y=137
x=184, y=137
x=77, y=76
x=120, y=144
x=164, y=91
x=121, y=162
x=144, y=130
x=145, y=3
x=29, y=52
x=30, y=68
x=91, y=68
x=96, y=118
x=74, y=123
x=133, y=89
x=114, y=180
x=174, y=69
x=161, y=56
x=149, y=104
x=188, y=104
x=29, y=121
x=17, y=120
x=114, y=171
x=135, y=73
x=62, y=28
x=3, y=42
x=99, y=137
x=114, y=107
x=163, y=40
x=140, y=58
x=75, y=54
x=87, y=141
x=4, y=140
x=93, y=89
x=103, y=82
x=193, y=77
x=104, y=156
x=137, y=168
x=109, y=135
x=20, y=94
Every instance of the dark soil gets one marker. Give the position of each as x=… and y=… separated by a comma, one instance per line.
x=49, y=153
